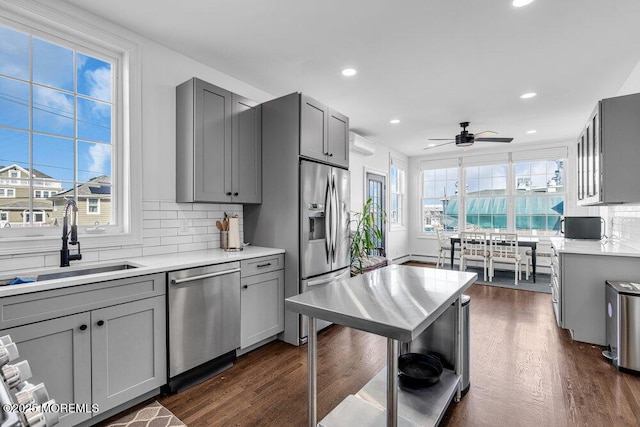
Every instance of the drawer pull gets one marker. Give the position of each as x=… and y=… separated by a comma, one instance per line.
x=264, y=265
x=83, y=327
x=246, y=286
x=100, y=322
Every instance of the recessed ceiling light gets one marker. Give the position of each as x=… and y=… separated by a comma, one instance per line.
x=528, y=95
x=432, y=145
x=532, y=131
x=520, y=3
x=349, y=72
x=394, y=121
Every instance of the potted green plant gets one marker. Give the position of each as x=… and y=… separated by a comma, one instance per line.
x=365, y=234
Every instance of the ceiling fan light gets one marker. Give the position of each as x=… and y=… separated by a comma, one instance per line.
x=520, y=3
x=394, y=121
x=532, y=131
x=528, y=95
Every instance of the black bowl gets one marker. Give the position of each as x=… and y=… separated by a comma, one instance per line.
x=419, y=370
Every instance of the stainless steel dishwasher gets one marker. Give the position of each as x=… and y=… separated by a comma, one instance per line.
x=204, y=322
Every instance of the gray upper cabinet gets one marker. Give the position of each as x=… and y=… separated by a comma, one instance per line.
x=218, y=145
x=324, y=133
x=609, y=152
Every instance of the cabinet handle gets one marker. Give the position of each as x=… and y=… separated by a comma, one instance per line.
x=100, y=322
x=228, y=193
x=326, y=154
x=235, y=194
x=330, y=154
x=83, y=327
x=246, y=286
x=264, y=265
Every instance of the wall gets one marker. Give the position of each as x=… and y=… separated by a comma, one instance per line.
x=168, y=227
x=379, y=162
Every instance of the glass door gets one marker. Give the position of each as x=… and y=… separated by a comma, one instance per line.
x=376, y=191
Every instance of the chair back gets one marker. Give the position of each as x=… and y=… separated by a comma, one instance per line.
x=504, y=245
x=442, y=239
x=474, y=243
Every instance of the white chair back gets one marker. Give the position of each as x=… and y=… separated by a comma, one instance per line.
x=474, y=244
x=442, y=239
x=504, y=245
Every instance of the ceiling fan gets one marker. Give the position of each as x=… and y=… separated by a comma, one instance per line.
x=466, y=139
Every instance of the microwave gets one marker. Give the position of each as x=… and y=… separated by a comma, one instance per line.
x=582, y=227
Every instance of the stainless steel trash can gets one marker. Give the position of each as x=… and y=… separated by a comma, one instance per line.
x=440, y=338
x=623, y=324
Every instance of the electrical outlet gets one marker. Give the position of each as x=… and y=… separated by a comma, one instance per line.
x=184, y=225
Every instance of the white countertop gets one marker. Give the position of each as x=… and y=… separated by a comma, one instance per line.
x=396, y=301
x=611, y=247
x=144, y=265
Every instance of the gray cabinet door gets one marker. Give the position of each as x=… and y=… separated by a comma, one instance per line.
x=246, y=180
x=313, y=129
x=128, y=350
x=59, y=354
x=338, y=139
x=262, y=307
x=213, y=157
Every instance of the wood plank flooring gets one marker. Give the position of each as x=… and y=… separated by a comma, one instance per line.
x=525, y=371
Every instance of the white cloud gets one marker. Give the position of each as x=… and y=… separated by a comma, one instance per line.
x=99, y=81
x=100, y=159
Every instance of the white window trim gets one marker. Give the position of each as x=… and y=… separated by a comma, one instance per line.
x=25, y=215
x=97, y=212
x=549, y=152
x=4, y=213
x=69, y=22
x=401, y=166
x=6, y=193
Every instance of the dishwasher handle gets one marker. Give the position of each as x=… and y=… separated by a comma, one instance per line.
x=203, y=276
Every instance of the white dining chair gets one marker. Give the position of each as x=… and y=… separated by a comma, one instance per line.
x=473, y=246
x=504, y=248
x=444, y=245
x=528, y=255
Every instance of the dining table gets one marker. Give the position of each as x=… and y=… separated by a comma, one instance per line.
x=523, y=241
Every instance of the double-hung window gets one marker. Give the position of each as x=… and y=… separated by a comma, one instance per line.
x=440, y=201
x=486, y=197
x=397, y=190
x=69, y=126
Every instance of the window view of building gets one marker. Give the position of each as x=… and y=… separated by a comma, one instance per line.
x=56, y=121
x=440, y=199
x=525, y=197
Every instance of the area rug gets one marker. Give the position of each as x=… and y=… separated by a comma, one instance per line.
x=152, y=415
x=506, y=279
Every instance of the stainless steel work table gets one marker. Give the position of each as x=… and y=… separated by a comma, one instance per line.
x=397, y=302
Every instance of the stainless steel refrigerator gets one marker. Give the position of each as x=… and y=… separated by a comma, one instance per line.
x=305, y=206
x=324, y=227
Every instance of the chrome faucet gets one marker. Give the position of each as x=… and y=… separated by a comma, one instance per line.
x=65, y=257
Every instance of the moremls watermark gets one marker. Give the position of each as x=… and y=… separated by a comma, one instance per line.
x=67, y=408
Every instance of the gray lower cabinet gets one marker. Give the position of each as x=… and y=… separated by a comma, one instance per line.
x=98, y=344
x=59, y=354
x=126, y=341
x=261, y=299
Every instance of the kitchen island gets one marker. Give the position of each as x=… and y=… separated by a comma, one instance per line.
x=396, y=302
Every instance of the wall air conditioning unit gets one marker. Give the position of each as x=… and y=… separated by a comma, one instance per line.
x=361, y=145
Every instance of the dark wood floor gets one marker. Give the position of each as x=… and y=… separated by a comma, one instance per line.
x=525, y=371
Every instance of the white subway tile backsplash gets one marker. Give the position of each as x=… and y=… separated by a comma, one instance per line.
x=623, y=222
x=163, y=224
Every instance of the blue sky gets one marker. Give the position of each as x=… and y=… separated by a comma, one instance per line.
x=56, y=69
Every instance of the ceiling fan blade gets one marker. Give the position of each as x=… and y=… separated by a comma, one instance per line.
x=441, y=139
x=494, y=139
x=439, y=145
x=485, y=131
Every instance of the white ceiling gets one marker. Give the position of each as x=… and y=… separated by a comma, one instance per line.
x=431, y=64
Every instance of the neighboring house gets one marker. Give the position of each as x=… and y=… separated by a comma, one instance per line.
x=94, y=202
x=14, y=196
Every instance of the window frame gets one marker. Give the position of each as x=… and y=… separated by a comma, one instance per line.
x=97, y=205
x=401, y=193
x=511, y=193
x=95, y=36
